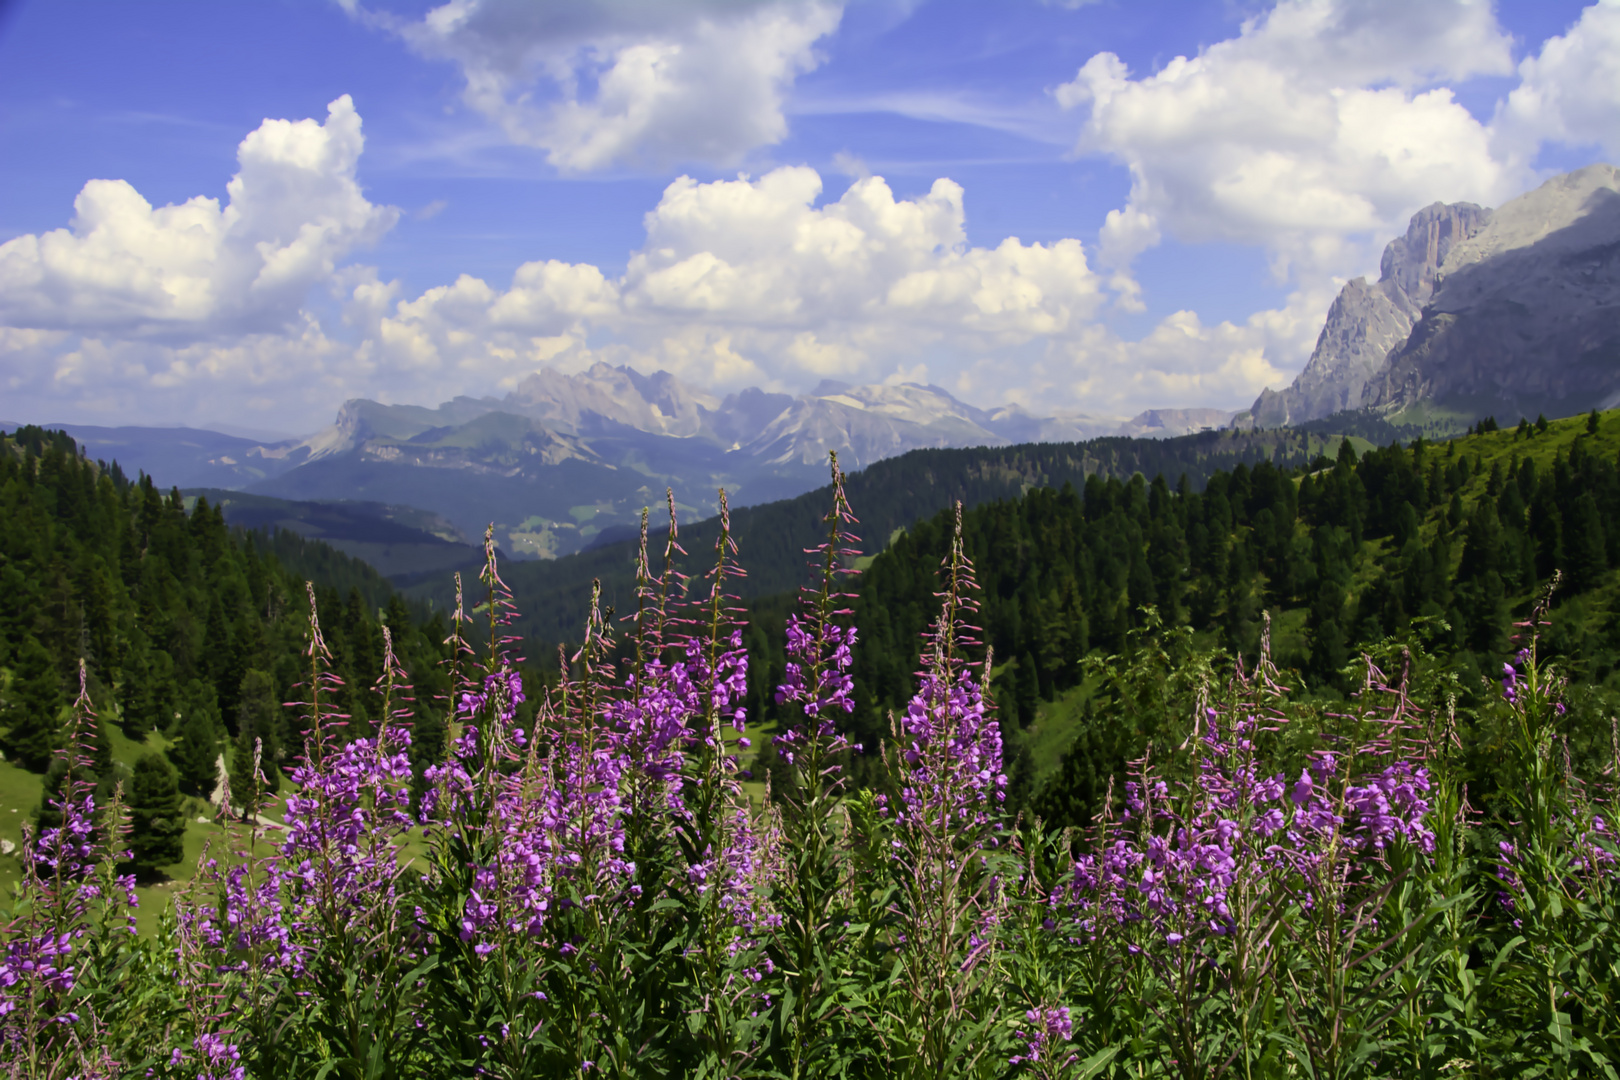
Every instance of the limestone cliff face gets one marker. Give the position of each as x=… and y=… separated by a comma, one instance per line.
x=1367, y=321
x=1525, y=314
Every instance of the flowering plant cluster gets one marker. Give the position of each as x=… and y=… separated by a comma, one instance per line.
x=585, y=886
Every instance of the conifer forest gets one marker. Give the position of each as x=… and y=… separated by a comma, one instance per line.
x=1303, y=764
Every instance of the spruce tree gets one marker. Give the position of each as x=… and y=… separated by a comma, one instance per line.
x=196, y=753
x=32, y=703
x=157, y=817
x=1547, y=529
x=1585, y=546
x=258, y=730
x=1026, y=693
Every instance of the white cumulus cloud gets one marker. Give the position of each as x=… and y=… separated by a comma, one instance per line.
x=1314, y=133
x=196, y=270
x=1180, y=362
x=1569, y=92
x=596, y=83
x=749, y=279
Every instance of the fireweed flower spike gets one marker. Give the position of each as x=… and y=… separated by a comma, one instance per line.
x=946, y=764
x=1046, y=1037
x=819, y=647
x=351, y=801
x=950, y=768
x=70, y=900
x=817, y=686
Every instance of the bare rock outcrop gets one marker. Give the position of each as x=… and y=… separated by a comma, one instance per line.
x=1525, y=315
x=1367, y=321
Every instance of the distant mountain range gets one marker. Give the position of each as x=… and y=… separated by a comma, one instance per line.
x=1512, y=311
x=1509, y=312
x=565, y=461
x=888, y=496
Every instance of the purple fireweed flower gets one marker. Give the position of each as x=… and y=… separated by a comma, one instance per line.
x=1048, y=1028
x=832, y=646
x=1302, y=789
x=718, y=692
x=349, y=804
x=503, y=691
x=221, y=1060
x=1390, y=804
x=834, y=688
x=952, y=754
x=652, y=727
x=68, y=886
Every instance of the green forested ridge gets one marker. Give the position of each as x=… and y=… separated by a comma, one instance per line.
x=1438, y=545
x=554, y=596
x=187, y=629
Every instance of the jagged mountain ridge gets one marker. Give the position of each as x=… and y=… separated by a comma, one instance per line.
x=1513, y=311
x=863, y=423
x=1366, y=320
x=1525, y=317
x=565, y=460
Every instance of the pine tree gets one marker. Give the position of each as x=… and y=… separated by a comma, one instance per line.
x=1547, y=529
x=1585, y=546
x=1074, y=795
x=258, y=733
x=196, y=753
x=157, y=817
x=1328, y=651
x=32, y=704
x=1026, y=693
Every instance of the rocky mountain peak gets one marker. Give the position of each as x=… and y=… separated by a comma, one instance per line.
x=1366, y=321
x=1525, y=315
x=1411, y=263
x=658, y=403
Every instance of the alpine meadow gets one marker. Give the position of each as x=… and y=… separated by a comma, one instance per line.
x=810, y=540
x=1307, y=772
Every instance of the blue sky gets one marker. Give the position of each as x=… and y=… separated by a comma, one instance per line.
x=744, y=192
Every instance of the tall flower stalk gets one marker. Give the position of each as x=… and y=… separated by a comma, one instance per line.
x=813, y=1025
x=65, y=918
x=946, y=768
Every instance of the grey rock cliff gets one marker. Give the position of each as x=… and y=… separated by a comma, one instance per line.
x=1525, y=314
x=1367, y=321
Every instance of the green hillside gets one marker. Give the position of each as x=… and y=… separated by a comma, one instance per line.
x=187, y=627
x=1437, y=546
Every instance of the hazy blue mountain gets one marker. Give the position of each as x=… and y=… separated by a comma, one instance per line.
x=564, y=462
x=567, y=461
x=180, y=456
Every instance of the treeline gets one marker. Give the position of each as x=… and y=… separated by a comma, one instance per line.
x=1446, y=541
x=554, y=596
x=184, y=626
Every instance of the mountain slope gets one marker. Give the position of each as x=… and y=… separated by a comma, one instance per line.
x=393, y=540
x=179, y=456
x=1366, y=321
x=1514, y=312
x=1525, y=318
